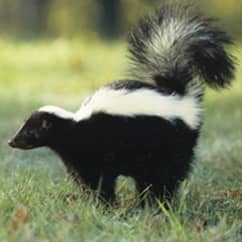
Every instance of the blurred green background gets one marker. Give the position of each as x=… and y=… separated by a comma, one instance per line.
x=105, y=18
x=58, y=52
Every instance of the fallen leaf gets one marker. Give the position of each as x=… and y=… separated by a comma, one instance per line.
x=236, y=193
x=20, y=217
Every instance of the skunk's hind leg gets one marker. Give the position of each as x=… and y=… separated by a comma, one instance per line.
x=150, y=189
x=105, y=186
x=108, y=189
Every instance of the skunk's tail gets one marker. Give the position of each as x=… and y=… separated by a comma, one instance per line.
x=177, y=46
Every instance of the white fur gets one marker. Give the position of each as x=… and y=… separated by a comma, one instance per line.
x=174, y=29
x=132, y=103
x=142, y=102
x=60, y=112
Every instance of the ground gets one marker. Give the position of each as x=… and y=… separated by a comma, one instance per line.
x=39, y=201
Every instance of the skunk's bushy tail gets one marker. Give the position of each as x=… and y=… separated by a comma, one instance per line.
x=177, y=45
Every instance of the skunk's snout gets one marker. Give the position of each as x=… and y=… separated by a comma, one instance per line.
x=19, y=142
x=16, y=143
x=12, y=143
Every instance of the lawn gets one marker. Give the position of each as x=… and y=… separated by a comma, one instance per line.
x=34, y=185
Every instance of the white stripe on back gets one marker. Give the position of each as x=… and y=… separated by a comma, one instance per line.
x=142, y=101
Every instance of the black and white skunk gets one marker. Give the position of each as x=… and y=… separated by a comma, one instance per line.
x=145, y=128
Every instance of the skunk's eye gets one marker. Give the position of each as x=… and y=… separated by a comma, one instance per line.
x=45, y=124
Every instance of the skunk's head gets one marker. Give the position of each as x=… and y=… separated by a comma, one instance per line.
x=35, y=132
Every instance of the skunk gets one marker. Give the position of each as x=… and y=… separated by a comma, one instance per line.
x=145, y=127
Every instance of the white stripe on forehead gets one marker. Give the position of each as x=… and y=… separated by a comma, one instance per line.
x=132, y=103
x=60, y=112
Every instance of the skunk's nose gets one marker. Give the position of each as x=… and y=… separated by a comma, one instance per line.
x=11, y=143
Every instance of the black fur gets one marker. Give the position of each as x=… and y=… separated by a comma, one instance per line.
x=104, y=146
x=132, y=85
x=153, y=150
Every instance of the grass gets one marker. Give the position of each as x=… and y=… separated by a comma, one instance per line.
x=34, y=184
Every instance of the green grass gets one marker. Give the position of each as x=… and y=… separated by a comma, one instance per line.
x=34, y=184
